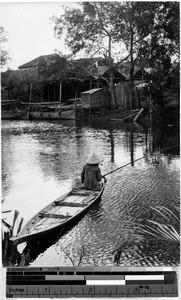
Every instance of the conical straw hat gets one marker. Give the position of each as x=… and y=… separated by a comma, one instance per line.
x=94, y=159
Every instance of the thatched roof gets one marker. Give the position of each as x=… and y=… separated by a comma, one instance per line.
x=104, y=71
x=35, y=62
x=85, y=66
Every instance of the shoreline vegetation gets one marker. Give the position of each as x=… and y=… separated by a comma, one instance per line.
x=142, y=116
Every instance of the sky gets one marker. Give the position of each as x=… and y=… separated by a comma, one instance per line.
x=29, y=29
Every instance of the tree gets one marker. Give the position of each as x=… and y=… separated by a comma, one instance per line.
x=163, y=47
x=80, y=69
x=52, y=68
x=99, y=26
x=135, y=21
x=146, y=29
x=90, y=28
x=4, y=53
x=19, y=83
x=169, y=24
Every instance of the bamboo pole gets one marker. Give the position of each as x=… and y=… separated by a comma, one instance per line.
x=136, y=160
x=123, y=166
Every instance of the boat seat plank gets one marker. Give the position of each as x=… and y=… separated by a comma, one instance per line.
x=67, y=210
x=69, y=199
x=56, y=216
x=81, y=193
x=71, y=204
x=72, y=198
x=75, y=199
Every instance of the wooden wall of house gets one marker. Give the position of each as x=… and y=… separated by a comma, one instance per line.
x=50, y=92
x=123, y=96
x=105, y=97
x=92, y=100
x=85, y=100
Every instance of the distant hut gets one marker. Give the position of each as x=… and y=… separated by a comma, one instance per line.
x=92, y=99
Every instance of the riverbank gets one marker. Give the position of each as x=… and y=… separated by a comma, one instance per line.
x=168, y=115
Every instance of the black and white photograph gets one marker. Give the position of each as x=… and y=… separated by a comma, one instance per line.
x=90, y=149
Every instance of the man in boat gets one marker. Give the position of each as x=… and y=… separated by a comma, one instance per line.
x=91, y=174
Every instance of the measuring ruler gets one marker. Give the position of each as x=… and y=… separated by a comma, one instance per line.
x=91, y=282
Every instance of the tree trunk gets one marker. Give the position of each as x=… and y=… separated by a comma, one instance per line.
x=41, y=93
x=131, y=68
x=60, y=92
x=48, y=92
x=111, y=86
x=132, y=87
x=31, y=86
x=53, y=91
x=111, y=81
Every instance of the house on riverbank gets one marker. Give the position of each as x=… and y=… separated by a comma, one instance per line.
x=77, y=76
x=54, y=78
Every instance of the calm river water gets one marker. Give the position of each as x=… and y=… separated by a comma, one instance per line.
x=42, y=160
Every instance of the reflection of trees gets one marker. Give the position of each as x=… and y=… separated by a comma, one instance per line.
x=60, y=151
x=79, y=141
x=10, y=158
x=132, y=147
x=112, y=144
x=58, y=154
x=166, y=137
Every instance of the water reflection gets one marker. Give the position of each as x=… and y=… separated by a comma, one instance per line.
x=41, y=160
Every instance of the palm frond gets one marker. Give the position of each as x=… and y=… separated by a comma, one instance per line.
x=165, y=212
x=167, y=231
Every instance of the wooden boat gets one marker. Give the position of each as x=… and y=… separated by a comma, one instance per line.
x=58, y=213
x=62, y=115
x=49, y=111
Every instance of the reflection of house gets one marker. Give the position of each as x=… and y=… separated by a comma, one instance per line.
x=79, y=76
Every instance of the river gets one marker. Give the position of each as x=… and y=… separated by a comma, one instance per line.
x=42, y=160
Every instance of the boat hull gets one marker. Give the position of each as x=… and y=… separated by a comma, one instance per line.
x=64, y=115
x=57, y=214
